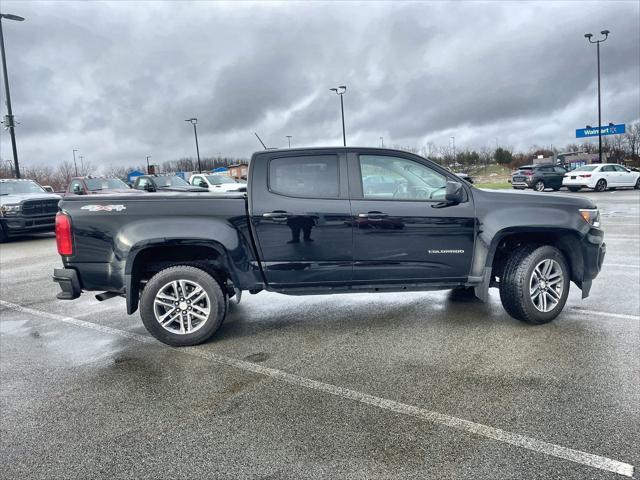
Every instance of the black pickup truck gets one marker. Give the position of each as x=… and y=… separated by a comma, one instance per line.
x=307, y=226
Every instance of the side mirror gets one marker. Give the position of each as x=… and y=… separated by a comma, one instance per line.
x=149, y=188
x=454, y=193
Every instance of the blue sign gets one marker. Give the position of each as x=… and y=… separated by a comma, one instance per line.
x=593, y=132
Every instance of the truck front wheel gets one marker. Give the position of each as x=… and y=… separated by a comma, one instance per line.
x=535, y=284
x=182, y=306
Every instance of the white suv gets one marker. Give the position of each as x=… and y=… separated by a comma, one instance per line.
x=600, y=177
x=217, y=183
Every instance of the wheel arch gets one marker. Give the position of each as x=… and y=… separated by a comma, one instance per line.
x=152, y=256
x=566, y=240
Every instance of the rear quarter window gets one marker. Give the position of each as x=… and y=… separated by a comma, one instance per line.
x=313, y=176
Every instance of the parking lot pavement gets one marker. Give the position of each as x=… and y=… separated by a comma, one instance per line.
x=413, y=385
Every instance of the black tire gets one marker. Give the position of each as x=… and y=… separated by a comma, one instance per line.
x=3, y=236
x=515, y=283
x=539, y=186
x=218, y=305
x=637, y=185
x=574, y=189
x=601, y=185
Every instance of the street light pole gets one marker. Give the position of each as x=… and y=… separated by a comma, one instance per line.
x=454, y=150
x=148, y=169
x=81, y=165
x=9, y=121
x=289, y=138
x=381, y=142
x=194, y=122
x=75, y=165
x=597, y=42
x=340, y=91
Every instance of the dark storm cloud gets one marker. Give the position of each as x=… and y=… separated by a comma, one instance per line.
x=117, y=80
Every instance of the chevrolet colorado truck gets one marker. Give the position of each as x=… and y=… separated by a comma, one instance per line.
x=307, y=226
x=25, y=207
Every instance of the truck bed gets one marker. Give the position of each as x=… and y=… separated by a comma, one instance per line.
x=109, y=230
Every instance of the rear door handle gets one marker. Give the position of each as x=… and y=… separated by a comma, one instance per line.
x=373, y=215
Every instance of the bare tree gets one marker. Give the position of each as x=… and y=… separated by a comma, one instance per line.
x=632, y=138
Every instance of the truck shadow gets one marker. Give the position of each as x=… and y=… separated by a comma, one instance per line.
x=345, y=316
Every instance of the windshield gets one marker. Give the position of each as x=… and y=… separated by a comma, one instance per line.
x=526, y=167
x=170, y=181
x=586, y=168
x=220, y=179
x=18, y=187
x=94, y=184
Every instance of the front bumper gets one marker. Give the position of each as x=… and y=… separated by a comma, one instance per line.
x=19, y=225
x=69, y=283
x=593, y=251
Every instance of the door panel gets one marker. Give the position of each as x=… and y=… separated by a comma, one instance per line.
x=303, y=241
x=399, y=237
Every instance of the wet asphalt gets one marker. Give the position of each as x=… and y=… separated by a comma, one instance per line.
x=81, y=401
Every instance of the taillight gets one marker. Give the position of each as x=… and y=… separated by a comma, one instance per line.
x=585, y=175
x=64, y=240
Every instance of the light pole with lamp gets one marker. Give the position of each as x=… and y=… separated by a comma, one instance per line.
x=194, y=122
x=340, y=91
x=289, y=138
x=588, y=36
x=9, y=122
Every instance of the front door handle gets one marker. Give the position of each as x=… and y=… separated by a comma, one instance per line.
x=373, y=215
x=276, y=215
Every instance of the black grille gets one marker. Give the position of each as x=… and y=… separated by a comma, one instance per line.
x=39, y=207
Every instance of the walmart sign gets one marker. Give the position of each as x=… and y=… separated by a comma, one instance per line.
x=593, y=132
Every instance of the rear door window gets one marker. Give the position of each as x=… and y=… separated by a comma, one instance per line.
x=313, y=176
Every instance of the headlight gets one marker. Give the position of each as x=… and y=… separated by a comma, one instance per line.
x=591, y=216
x=10, y=209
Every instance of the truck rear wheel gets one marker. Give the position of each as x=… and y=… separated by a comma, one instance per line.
x=182, y=306
x=535, y=284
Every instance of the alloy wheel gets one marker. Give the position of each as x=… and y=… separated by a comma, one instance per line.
x=539, y=186
x=546, y=284
x=182, y=307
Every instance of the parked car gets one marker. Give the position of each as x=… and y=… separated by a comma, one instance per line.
x=26, y=207
x=164, y=183
x=217, y=183
x=539, y=177
x=97, y=186
x=600, y=177
x=299, y=232
x=465, y=176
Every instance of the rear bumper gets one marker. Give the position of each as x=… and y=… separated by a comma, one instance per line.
x=577, y=182
x=69, y=283
x=23, y=225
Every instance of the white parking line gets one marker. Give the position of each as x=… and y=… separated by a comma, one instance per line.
x=522, y=441
x=604, y=314
x=621, y=265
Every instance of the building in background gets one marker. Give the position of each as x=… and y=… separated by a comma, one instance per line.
x=239, y=171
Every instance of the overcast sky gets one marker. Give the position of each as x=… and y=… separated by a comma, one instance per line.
x=116, y=80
